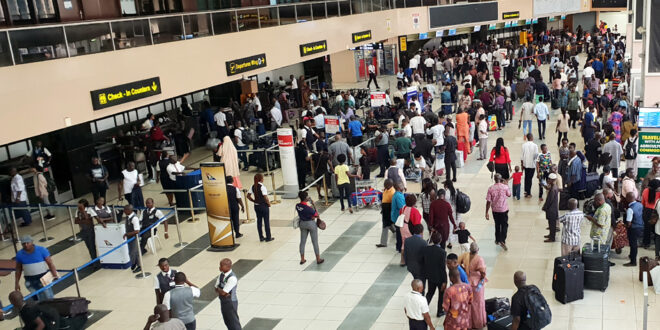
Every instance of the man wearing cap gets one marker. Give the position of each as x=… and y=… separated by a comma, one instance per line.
x=551, y=207
x=35, y=262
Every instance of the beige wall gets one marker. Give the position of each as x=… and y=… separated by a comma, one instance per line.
x=343, y=67
x=36, y=98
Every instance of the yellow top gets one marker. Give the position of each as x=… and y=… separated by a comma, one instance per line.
x=387, y=195
x=342, y=177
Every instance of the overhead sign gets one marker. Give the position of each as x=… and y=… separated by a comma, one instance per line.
x=510, y=14
x=462, y=14
x=120, y=94
x=649, y=117
x=648, y=147
x=246, y=64
x=361, y=36
x=403, y=43
x=313, y=48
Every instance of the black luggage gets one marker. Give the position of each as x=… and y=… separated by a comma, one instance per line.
x=569, y=278
x=564, y=196
x=596, y=266
x=572, y=257
x=503, y=323
x=592, y=184
x=68, y=306
x=495, y=304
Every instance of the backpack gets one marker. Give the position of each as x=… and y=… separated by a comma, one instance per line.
x=604, y=159
x=631, y=149
x=462, y=202
x=249, y=136
x=538, y=311
x=521, y=87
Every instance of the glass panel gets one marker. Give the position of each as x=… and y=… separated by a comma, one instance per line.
x=361, y=6
x=18, y=149
x=197, y=26
x=166, y=29
x=45, y=9
x=400, y=3
x=3, y=154
x=287, y=15
x=247, y=19
x=198, y=97
x=344, y=8
x=92, y=127
x=129, y=34
x=222, y=23
x=105, y=124
x=304, y=13
x=119, y=119
x=2, y=15
x=19, y=10
x=318, y=9
x=88, y=38
x=36, y=45
x=5, y=55
x=413, y=3
x=268, y=17
x=132, y=116
x=157, y=108
x=430, y=2
x=143, y=112
x=333, y=9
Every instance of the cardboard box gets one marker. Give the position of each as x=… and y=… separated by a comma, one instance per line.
x=249, y=86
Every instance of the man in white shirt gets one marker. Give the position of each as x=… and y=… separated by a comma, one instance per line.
x=417, y=308
x=132, y=229
x=179, y=300
x=372, y=75
x=164, y=279
x=542, y=113
x=319, y=121
x=530, y=152
x=221, y=121
x=438, y=132
x=483, y=137
x=239, y=141
x=295, y=91
x=277, y=118
x=418, y=125
x=413, y=63
x=587, y=73
x=526, y=116
x=19, y=197
x=428, y=68
x=174, y=168
x=225, y=287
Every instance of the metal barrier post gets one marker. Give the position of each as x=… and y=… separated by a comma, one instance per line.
x=192, y=209
x=13, y=218
x=2, y=229
x=325, y=187
x=142, y=274
x=646, y=300
x=247, y=209
x=114, y=214
x=77, y=278
x=178, y=230
x=43, y=226
x=272, y=179
x=73, y=228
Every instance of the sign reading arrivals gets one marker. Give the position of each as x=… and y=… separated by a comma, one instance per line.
x=120, y=94
x=510, y=14
x=313, y=48
x=246, y=64
x=361, y=36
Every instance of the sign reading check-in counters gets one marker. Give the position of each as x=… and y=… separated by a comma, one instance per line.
x=313, y=48
x=510, y=14
x=246, y=64
x=120, y=94
x=361, y=36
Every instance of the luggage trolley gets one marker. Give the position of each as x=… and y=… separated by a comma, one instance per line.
x=366, y=195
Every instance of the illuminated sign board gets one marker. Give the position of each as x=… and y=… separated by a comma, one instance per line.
x=510, y=14
x=361, y=36
x=120, y=94
x=313, y=48
x=246, y=64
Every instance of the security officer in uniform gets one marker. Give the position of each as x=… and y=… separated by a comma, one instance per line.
x=132, y=229
x=225, y=287
x=150, y=216
x=164, y=281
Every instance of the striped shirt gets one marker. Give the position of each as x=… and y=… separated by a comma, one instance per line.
x=571, y=233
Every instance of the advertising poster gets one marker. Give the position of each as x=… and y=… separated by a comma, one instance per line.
x=648, y=147
x=378, y=99
x=331, y=124
x=217, y=207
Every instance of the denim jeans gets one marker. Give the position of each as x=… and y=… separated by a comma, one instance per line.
x=527, y=127
x=33, y=283
x=344, y=194
x=516, y=191
x=242, y=156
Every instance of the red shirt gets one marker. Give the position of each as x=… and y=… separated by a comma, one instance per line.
x=503, y=158
x=517, y=177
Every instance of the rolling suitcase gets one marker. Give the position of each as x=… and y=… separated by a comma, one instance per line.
x=503, y=323
x=592, y=184
x=572, y=257
x=564, y=196
x=645, y=265
x=596, y=266
x=68, y=306
x=569, y=278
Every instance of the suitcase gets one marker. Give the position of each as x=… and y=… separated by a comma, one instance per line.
x=492, y=123
x=503, y=323
x=68, y=306
x=372, y=154
x=596, y=266
x=495, y=304
x=572, y=257
x=564, y=196
x=459, y=159
x=645, y=265
x=569, y=278
x=592, y=184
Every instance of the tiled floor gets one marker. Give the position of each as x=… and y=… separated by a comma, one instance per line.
x=359, y=286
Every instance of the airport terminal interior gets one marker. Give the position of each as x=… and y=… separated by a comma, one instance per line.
x=331, y=164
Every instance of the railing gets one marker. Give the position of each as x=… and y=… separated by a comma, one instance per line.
x=46, y=42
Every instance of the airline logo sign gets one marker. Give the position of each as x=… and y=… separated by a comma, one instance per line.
x=361, y=36
x=511, y=15
x=120, y=94
x=246, y=64
x=285, y=140
x=313, y=48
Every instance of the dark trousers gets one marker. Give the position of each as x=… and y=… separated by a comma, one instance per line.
x=383, y=159
x=509, y=110
x=242, y=156
x=561, y=136
x=229, y=311
x=263, y=220
x=88, y=236
x=593, y=166
x=417, y=324
x=98, y=190
x=544, y=176
x=192, y=325
x=24, y=214
x=431, y=291
x=615, y=172
x=572, y=118
x=372, y=77
x=541, y=129
x=501, y=120
x=633, y=236
x=399, y=240
x=501, y=226
x=552, y=224
x=355, y=140
x=657, y=245
x=649, y=229
x=344, y=194
x=529, y=175
x=235, y=220
x=450, y=165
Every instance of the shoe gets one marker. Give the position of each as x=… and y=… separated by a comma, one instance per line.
x=303, y=261
x=504, y=246
x=133, y=267
x=380, y=176
x=546, y=236
x=380, y=245
x=144, y=251
x=137, y=269
x=350, y=209
x=630, y=264
x=24, y=224
x=239, y=235
x=49, y=217
x=270, y=239
x=612, y=264
x=262, y=239
x=449, y=246
x=152, y=181
x=320, y=261
x=342, y=210
x=549, y=241
x=246, y=169
x=453, y=180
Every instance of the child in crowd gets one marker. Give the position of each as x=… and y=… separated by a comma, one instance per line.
x=463, y=235
x=517, y=178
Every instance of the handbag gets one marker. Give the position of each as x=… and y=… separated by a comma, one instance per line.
x=400, y=219
x=296, y=222
x=320, y=223
x=491, y=166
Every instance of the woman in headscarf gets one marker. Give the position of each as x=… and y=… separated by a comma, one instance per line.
x=229, y=156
